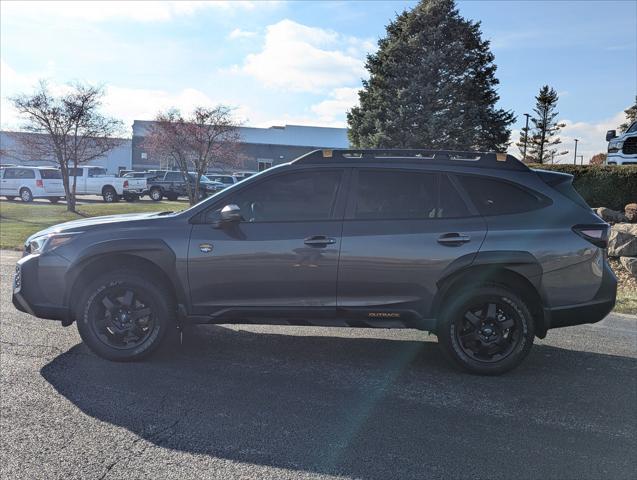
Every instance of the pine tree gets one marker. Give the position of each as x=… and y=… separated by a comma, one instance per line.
x=431, y=85
x=542, y=138
x=631, y=116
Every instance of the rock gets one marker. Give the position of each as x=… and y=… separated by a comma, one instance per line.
x=630, y=211
x=611, y=216
x=622, y=241
x=630, y=264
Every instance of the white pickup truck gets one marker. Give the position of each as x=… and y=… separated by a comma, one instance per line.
x=95, y=181
x=622, y=149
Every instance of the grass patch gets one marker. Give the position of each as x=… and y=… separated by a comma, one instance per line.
x=626, y=301
x=20, y=220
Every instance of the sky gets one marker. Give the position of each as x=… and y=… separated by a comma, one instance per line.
x=279, y=62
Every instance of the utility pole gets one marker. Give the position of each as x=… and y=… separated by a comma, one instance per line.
x=526, y=136
x=575, y=154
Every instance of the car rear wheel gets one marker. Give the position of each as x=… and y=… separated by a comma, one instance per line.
x=123, y=316
x=26, y=195
x=155, y=194
x=488, y=331
x=109, y=195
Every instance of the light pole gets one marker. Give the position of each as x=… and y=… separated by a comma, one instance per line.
x=526, y=136
x=575, y=154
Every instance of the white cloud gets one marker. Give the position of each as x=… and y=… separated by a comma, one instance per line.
x=237, y=33
x=339, y=102
x=140, y=11
x=307, y=59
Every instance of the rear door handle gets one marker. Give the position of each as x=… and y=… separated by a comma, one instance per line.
x=319, y=241
x=453, y=239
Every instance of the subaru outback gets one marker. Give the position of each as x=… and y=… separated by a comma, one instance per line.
x=474, y=247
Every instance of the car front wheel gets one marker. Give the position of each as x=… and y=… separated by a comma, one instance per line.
x=488, y=330
x=123, y=316
x=26, y=195
x=155, y=194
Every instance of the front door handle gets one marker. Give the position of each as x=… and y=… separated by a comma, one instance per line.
x=453, y=239
x=319, y=241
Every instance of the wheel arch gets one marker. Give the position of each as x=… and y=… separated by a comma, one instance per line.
x=518, y=271
x=107, y=187
x=152, y=259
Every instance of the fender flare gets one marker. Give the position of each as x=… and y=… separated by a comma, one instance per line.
x=155, y=251
x=521, y=263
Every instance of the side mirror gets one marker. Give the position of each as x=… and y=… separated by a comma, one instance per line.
x=230, y=214
x=610, y=135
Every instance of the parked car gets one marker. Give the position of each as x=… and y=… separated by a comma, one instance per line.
x=96, y=181
x=142, y=189
x=31, y=182
x=173, y=184
x=474, y=247
x=245, y=174
x=622, y=149
x=223, y=178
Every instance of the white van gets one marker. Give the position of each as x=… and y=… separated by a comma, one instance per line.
x=31, y=182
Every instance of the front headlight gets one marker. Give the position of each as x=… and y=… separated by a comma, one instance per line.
x=51, y=241
x=615, y=146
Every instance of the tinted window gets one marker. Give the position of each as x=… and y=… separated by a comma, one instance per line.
x=25, y=173
x=96, y=172
x=633, y=128
x=301, y=196
x=174, y=177
x=50, y=174
x=76, y=172
x=10, y=173
x=450, y=203
x=383, y=194
x=496, y=197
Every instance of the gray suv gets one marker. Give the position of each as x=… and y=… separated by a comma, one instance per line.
x=474, y=247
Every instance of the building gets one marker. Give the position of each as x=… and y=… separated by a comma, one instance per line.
x=11, y=152
x=260, y=148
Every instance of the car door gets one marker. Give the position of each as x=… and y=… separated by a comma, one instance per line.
x=281, y=257
x=80, y=179
x=402, y=229
x=8, y=184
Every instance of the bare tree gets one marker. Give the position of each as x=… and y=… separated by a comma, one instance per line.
x=208, y=138
x=69, y=129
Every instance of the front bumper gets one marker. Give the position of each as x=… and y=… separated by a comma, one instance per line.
x=30, y=292
x=589, y=312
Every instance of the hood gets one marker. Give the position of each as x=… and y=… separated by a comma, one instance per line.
x=90, y=223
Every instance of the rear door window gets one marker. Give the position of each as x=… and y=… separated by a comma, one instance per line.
x=76, y=172
x=498, y=197
x=26, y=173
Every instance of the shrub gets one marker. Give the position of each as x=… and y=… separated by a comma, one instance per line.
x=601, y=185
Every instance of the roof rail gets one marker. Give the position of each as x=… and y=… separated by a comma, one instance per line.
x=448, y=157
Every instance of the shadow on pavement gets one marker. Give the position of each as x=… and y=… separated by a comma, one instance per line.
x=368, y=408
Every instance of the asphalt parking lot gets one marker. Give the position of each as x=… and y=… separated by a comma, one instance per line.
x=282, y=402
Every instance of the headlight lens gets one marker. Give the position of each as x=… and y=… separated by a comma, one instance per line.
x=615, y=146
x=51, y=241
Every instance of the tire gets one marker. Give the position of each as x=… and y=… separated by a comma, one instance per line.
x=488, y=331
x=26, y=195
x=9, y=197
x=155, y=194
x=109, y=195
x=100, y=321
x=172, y=197
x=53, y=199
x=131, y=198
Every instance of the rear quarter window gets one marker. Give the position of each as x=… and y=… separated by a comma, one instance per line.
x=498, y=197
x=50, y=174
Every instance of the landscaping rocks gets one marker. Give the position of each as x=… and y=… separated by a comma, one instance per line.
x=630, y=264
x=622, y=241
x=630, y=211
x=611, y=216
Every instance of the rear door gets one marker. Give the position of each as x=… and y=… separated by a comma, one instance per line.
x=402, y=229
x=52, y=181
x=8, y=184
x=80, y=180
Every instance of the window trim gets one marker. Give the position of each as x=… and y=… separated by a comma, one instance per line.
x=350, y=210
x=338, y=206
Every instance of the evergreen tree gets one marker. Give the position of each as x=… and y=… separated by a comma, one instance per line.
x=631, y=116
x=432, y=85
x=543, y=135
